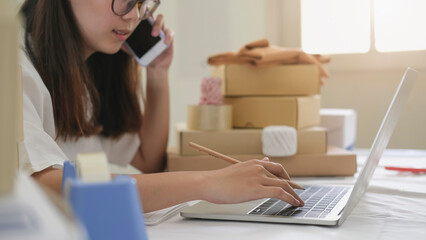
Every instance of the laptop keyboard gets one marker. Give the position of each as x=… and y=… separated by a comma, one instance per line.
x=319, y=201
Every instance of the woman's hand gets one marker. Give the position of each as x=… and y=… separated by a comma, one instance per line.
x=164, y=60
x=248, y=181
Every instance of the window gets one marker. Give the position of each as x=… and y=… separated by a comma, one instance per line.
x=335, y=26
x=345, y=26
x=399, y=25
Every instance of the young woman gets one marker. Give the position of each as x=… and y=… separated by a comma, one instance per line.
x=82, y=94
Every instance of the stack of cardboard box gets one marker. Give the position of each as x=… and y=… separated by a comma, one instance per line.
x=278, y=95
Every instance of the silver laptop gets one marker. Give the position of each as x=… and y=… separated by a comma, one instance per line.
x=324, y=205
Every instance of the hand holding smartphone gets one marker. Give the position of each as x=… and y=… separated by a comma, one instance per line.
x=143, y=46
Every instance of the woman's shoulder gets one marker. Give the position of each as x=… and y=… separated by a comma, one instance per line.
x=31, y=80
x=28, y=69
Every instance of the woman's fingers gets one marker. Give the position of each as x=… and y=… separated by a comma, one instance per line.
x=158, y=25
x=279, y=193
x=248, y=181
x=169, y=35
x=283, y=184
x=274, y=168
x=267, y=172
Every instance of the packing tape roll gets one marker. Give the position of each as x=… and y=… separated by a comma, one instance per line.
x=93, y=167
x=209, y=117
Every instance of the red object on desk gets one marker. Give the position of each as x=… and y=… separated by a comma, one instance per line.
x=407, y=169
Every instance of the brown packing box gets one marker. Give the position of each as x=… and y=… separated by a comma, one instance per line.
x=312, y=140
x=259, y=112
x=10, y=98
x=245, y=141
x=291, y=80
x=336, y=162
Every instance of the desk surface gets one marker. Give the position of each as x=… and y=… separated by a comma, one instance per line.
x=394, y=207
x=28, y=213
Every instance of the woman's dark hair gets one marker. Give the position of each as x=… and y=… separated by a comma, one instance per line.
x=105, y=85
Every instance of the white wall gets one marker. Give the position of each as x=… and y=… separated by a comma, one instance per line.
x=363, y=82
x=203, y=28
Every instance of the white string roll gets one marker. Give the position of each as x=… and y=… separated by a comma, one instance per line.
x=279, y=141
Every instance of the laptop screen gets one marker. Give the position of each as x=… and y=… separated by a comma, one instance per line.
x=381, y=141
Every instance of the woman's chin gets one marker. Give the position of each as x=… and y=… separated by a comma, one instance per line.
x=111, y=50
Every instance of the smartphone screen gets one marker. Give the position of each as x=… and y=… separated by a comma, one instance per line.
x=141, y=40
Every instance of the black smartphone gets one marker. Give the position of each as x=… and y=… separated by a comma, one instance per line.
x=143, y=46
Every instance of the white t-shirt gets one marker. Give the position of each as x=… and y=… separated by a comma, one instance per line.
x=42, y=150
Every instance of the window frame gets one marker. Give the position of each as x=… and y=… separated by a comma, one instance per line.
x=369, y=61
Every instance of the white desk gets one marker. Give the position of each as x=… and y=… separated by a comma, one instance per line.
x=394, y=207
x=28, y=213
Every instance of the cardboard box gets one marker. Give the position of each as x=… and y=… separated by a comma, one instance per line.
x=312, y=140
x=259, y=112
x=10, y=97
x=336, y=162
x=289, y=80
x=341, y=125
x=245, y=141
x=236, y=141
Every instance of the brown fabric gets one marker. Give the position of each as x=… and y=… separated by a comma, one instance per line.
x=228, y=58
x=257, y=44
x=260, y=54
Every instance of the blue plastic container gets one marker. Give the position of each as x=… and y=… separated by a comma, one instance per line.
x=108, y=210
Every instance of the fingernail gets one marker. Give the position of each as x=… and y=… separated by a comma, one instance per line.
x=265, y=159
x=297, y=203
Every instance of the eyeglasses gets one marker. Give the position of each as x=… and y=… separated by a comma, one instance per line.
x=146, y=7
